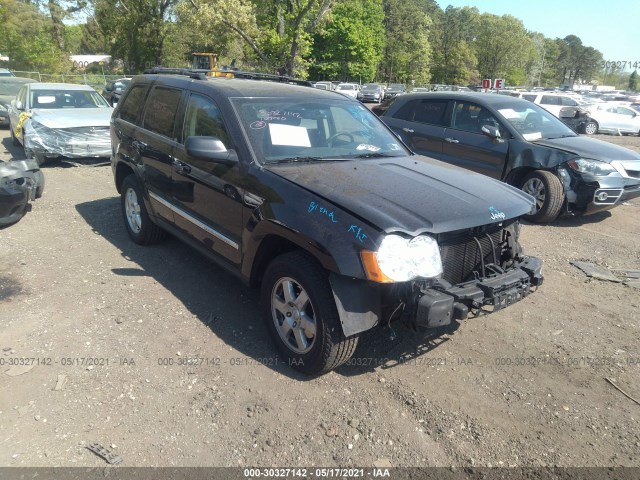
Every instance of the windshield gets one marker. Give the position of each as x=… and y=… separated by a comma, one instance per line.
x=396, y=87
x=67, y=99
x=10, y=88
x=346, y=87
x=533, y=122
x=370, y=88
x=314, y=130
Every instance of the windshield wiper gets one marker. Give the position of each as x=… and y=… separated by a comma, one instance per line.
x=561, y=136
x=305, y=159
x=373, y=155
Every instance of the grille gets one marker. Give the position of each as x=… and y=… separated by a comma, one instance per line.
x=465, y=254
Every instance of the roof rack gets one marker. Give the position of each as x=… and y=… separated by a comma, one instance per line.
x=227, y=72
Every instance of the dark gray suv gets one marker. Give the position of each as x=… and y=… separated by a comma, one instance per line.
x=516, y=141
x=308, y=195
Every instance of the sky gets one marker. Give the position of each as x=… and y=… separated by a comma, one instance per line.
x=606, y=25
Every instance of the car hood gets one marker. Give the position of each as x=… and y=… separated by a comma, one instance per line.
x=73, y=117
x=590, y=148
x=410, y=194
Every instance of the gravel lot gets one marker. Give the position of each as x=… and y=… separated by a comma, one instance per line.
x=185, y=374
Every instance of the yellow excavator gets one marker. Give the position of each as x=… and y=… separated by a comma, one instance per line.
x=209, y=61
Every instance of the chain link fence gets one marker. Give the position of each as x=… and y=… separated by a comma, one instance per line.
x=96, y=80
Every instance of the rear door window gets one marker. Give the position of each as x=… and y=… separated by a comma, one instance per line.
x=550, y=100
x=431, y=111
x=160, y=114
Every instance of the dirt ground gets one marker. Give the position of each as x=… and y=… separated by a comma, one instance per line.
x=162, y=357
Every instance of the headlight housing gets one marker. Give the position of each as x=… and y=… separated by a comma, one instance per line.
x=593, y=167
x=399, y=259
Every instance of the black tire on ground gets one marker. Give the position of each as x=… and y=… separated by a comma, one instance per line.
x=549, y=194
x=591, y=127
x=327, y=348
x=31, y=155
x=136, y=219
x=14, y=141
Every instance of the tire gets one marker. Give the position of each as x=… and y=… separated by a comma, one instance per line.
x=14, y=141
x=591, y=127
x=136, y=219
x=313, y=341
x=546, y=188
x=31, y=155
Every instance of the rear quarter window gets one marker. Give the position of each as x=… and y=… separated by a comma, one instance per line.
x=132, y=105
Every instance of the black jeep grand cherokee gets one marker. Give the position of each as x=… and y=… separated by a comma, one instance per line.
x=309, y=195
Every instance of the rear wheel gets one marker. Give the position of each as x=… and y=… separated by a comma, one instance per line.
x=591, y=127
x=139, y=226
x=301, y=315
x=547, y=191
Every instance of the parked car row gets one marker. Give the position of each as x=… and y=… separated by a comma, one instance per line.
x=345, y=221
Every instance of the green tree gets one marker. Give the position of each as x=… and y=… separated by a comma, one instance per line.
x=453, y=32
x=407, y=54
x=352, y=44
x=633, y=81
x=26, y=38
x=502, y=47
x=135, y=30
x=278, y=32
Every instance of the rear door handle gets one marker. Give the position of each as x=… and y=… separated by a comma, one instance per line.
x=181, y=167
x=451, y=140
x=408, y=130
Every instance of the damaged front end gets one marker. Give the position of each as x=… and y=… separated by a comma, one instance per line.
x=483, y=269
x=72, y=142
x=21, y=181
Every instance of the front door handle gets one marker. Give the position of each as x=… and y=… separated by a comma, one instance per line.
x=181, y=167
x=451, y=140
x=408, y=130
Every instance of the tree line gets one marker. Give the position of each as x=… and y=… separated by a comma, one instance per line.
x=400, y=41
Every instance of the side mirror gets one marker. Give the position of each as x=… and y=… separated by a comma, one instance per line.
x=491, y=131
x=19, y=105
x=108, y=88
x=211, y=149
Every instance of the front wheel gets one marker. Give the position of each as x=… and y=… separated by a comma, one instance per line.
x=591, y=127
x=32, y=155
x=302, y=318
x=548, y=193
x=14, y=140
x=139, y=226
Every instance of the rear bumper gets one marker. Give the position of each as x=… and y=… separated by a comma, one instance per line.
x=439, y=306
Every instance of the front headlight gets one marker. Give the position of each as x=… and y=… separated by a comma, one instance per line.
x=399, y=259
x=594, y=167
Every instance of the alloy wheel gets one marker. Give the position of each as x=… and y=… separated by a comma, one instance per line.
x=132, y=210
x=293, y=315
x=535, y=188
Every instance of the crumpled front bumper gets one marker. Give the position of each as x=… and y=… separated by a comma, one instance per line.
x=72, y=143
x=441, y=304
x=20, y=182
